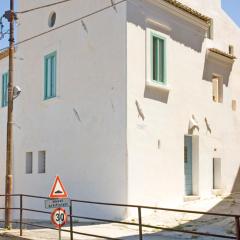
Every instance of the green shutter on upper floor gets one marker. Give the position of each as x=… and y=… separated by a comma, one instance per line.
x=4, y=89
x=50, y=76
x=158, y=58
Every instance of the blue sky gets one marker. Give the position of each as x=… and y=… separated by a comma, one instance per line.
x=3, y=6
x=232, y=7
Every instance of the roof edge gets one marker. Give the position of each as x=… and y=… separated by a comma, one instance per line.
x=224, y=54
x=4, y=54
x=189, y=10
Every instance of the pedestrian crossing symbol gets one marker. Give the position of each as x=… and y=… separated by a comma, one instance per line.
x=58, y=190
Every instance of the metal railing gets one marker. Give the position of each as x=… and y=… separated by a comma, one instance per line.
x=140, y=225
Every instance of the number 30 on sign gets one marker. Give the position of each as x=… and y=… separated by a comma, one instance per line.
x=59, y=217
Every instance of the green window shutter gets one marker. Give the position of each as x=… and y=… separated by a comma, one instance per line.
x=53, y=76
x=4, y=89
x=50, y=69
x=158, y=59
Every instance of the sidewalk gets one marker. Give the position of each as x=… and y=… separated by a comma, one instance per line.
x=108, y=230
x=191, y=222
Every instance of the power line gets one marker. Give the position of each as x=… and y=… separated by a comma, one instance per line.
x=71, y=22
x=48, y=5
x=66, y=24
x=45, y=6
x=2, y=32
x=3, y=49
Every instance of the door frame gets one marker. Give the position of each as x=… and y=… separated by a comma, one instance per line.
x=195, y=165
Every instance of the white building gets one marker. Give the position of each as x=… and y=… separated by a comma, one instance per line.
x=134, y=103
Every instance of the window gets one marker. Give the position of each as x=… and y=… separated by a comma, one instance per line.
x=231, y=50
x=52, y=19
x=4, y=89
x=217, y=173
x=50, y=75
x=29, y=163
x=217, y=84
x=41, y=162
x=185, y=154
x=210, y=30
x=234, y=105
x=158, y=59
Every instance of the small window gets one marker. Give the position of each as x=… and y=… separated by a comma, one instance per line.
x=29, y=163
x=210, y=29
x=234, y=105
x=50, y=76
x=4, y=89
x=217, y=84
x=185, y=154
x=52, y=19
x=217, y=173
x=231, y=49
x=158, y=59
x=41, y=162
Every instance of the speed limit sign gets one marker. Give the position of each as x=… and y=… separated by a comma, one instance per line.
x=59, y=217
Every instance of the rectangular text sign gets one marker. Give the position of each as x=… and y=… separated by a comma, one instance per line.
x=57, y=203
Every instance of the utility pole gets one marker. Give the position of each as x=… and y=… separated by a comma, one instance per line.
x=10, y=15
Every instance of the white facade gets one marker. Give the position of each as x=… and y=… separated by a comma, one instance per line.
x=91, y=131
x=156, y=173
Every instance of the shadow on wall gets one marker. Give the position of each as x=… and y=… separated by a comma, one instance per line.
x=213, y=66
x=236, y=185
x=156, y=94
x=196, y=223
x=216, y=224
x=178, y=29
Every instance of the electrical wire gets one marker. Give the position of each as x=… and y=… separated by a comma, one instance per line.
x=4, y=49
x=41, y=7
x=69, y=23
x=66, y=24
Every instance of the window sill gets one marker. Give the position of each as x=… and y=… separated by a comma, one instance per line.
x=49, y=98
x=189, y=198
x=157, y=86
x=52, y=100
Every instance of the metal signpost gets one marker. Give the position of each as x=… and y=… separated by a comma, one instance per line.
x=59, y=200
x=59, y=219
x=57, y=203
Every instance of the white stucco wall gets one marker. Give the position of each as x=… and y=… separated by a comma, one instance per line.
x=83, y=129
x=91, y=132
x=156, y=171
x=3, y=133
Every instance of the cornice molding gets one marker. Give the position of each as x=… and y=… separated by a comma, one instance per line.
x=220, y=56
x=179, y=12
x=4, y=54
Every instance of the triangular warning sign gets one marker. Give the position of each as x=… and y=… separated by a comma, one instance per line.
x=58, y=190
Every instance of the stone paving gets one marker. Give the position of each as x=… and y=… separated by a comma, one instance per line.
x=191, y=222
x=108, y=230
